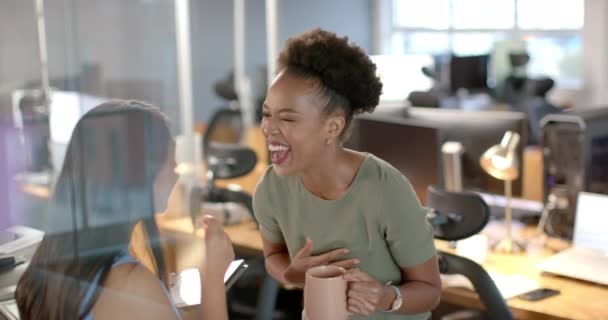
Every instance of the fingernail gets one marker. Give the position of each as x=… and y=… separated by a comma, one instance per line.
x=357, y=261
x=346, y=251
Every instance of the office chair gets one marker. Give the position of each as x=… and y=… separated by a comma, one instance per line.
x=455, y=216
x=427, y=99
x=227, y=158
x=538, y=107
x=432, y=98
x=230, y=161
x=515, y=83
x=224, y=88
x=35, y=132
x=226, y=126
x=226, y=162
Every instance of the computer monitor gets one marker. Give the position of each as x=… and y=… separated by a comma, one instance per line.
x=66, y=108
x=410, y=148
x=477, y=131
x=110, y=152
x=469, y=72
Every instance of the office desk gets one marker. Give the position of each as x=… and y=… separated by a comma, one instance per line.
x=244, y=236
x=578, y=299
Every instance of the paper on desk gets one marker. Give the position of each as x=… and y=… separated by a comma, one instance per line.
x=508, y=285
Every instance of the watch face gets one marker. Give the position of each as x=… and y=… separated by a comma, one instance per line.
x=398, y=299
x=397, y=303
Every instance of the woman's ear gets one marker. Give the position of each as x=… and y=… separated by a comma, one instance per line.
x=335, y=125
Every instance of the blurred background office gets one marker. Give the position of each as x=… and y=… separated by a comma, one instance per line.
x=457, y=75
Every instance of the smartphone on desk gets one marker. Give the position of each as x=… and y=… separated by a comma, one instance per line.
x=538, y=294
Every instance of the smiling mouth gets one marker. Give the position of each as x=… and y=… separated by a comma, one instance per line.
x=278, y=153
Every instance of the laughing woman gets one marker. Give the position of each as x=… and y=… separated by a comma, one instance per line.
x=320, y=203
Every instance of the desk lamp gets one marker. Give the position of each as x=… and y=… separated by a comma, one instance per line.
x=500, y=161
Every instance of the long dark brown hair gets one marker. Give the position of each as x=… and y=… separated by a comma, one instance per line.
x=105, y=186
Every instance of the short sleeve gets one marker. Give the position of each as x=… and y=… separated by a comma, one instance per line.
x=407, y=231
x=265, y=211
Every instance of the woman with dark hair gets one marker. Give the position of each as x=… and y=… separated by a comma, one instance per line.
x=320, y=203
x=117, y=173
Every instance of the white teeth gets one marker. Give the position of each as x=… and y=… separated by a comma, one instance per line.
x=274, y=148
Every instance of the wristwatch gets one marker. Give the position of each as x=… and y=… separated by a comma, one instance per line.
x=398, y=299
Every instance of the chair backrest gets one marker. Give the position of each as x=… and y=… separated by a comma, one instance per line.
x=427, y=99
x=226, y=126
x=466, y=213
x=222, y=149
x=229, y=161
x=226, y=157
x=459, y=215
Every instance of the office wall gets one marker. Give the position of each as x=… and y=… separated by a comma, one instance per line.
x=128, y=46
x=352, y=18
x=112, y=48
x=213, y=46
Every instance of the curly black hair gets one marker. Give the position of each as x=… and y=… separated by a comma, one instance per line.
x=347, y=74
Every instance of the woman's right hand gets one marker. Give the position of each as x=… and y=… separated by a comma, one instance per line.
x=302, y=261
x=218, y=247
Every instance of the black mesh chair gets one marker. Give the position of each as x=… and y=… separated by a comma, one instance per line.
x=538, y=106
x=428, y=99
x=226, y=157
x=255, y=294
x=455, y=216
x=225, y=161
x=226, y=126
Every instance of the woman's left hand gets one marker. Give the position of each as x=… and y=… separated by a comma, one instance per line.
x=366, y=295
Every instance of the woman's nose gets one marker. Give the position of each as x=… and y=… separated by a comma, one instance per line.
x=268, y=127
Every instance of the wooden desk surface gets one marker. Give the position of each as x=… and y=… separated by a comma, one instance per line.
x=244, y=236
x=578, y=299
